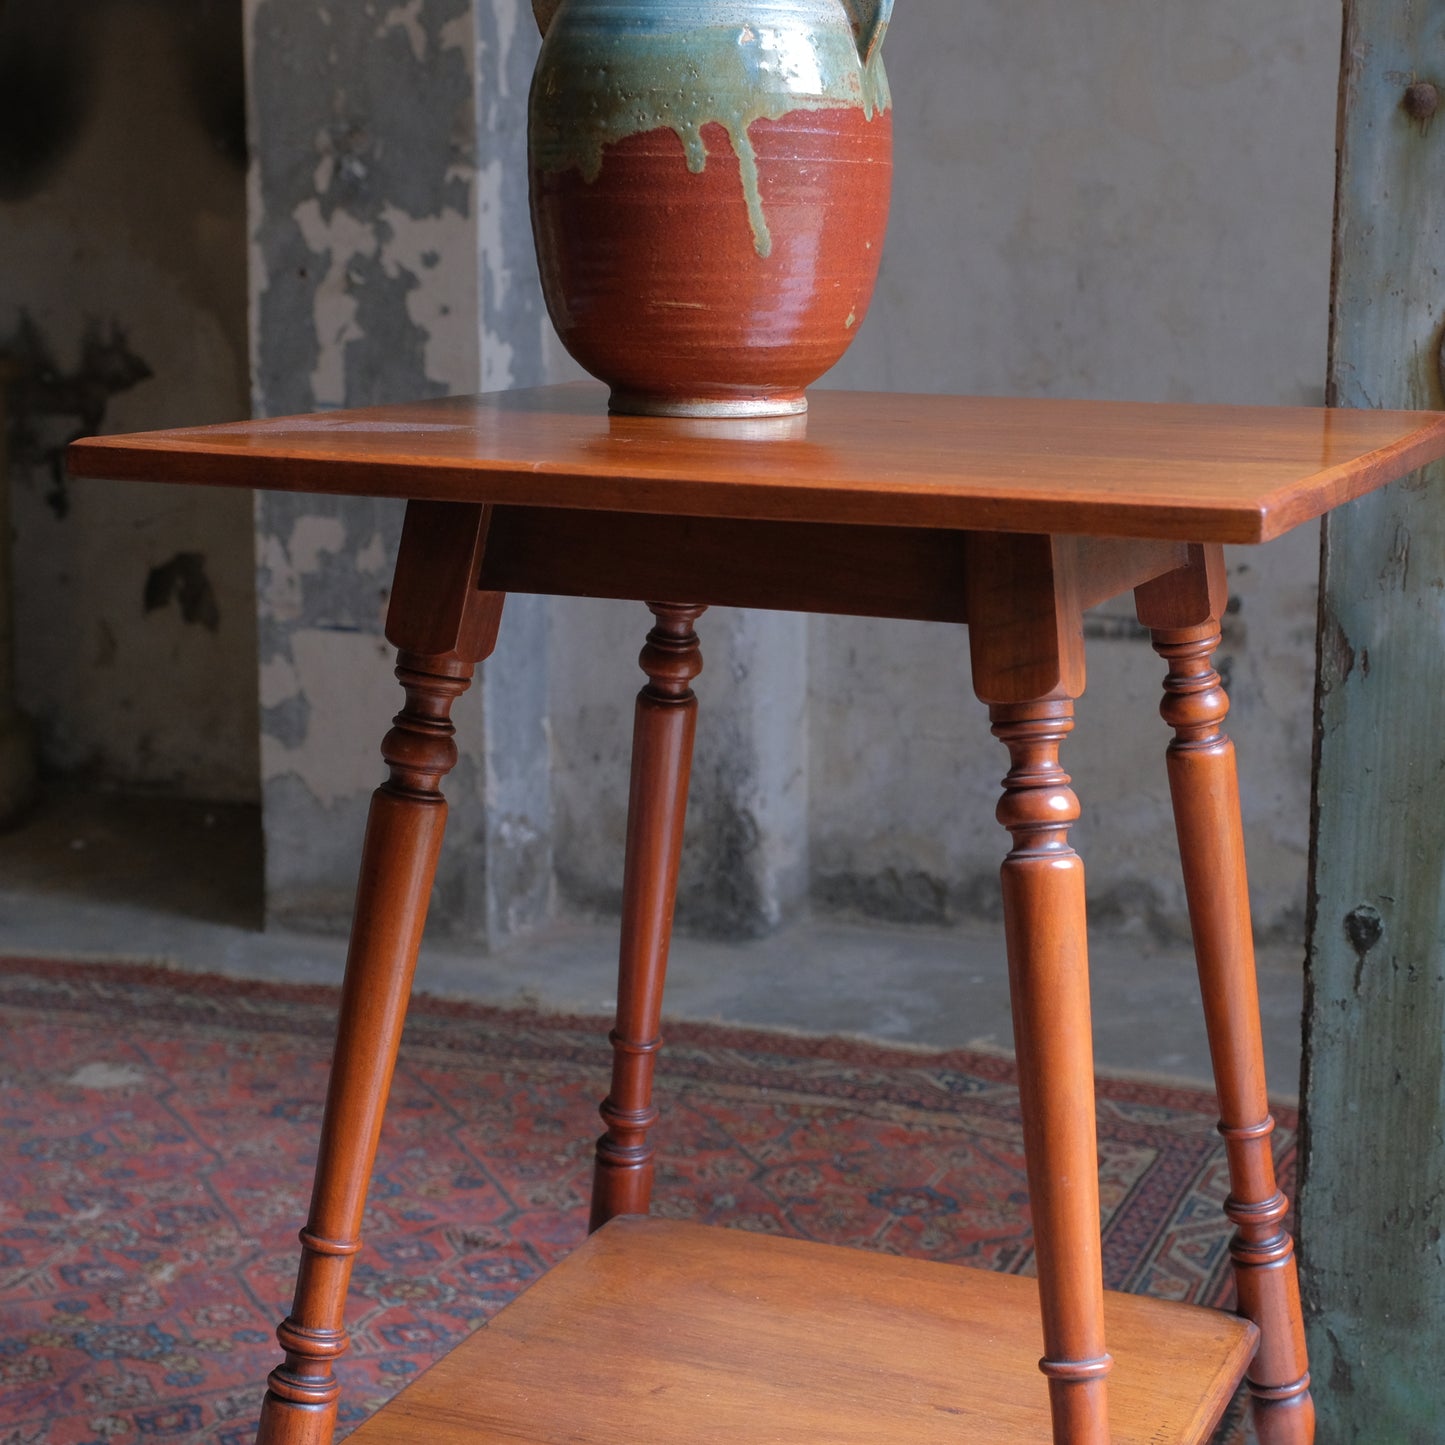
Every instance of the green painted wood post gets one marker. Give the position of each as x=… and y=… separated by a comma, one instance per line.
x=1372, y=1200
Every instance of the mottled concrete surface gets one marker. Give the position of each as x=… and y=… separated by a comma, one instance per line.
x=363, y=289
x=123, y=307
x=391, y=260
x=176, y=883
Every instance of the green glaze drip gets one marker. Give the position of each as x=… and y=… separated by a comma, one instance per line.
x=748, y=166
x=597, y=85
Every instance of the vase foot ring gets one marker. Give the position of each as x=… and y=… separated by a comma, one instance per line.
x=631, y=403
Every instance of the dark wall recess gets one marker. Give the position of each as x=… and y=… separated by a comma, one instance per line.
x=49, y=407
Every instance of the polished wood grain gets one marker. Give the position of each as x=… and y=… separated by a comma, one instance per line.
x=1024, y=596
x=1191, y=473
x=1011, y=515
x=909, y=572
x=680, y=1334
x=1045, y=931
x=1183, y=612
x=1026, y=636
x=437, y=606
x=442, y=627
x=663, y=730
x=1026, y=618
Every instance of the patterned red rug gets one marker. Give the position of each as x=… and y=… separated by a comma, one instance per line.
x=158, y=1131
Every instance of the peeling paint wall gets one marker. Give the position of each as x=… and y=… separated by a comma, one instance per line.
x=363, y=202
x=391, y=260
x=517, y=350
x=122, y=298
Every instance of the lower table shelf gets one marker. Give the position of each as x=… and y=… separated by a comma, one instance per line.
x=682, y=1334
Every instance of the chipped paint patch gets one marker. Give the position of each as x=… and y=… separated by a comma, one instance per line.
x=374, y=557
x=457, y=34
x=504, y=15
x=383, y=99
x=441, y=301
x=347, y=676
x=51, y=404
x=281, y=564
x=312, y=536
x=339, y=239
x=406, y=18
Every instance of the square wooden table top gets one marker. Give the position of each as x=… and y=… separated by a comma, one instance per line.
x=998, y=464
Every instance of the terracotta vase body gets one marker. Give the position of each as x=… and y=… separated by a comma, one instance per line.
x=710, y=185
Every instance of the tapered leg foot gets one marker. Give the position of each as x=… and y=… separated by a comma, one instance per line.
x=666, y=720
x=1205, y=793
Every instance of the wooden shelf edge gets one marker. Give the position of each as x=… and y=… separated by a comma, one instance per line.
x=682, y=1334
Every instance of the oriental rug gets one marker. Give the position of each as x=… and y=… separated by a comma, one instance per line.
x=158, y=1130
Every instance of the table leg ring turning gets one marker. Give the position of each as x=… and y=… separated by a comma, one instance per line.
x=663, y=729
x=1205, y=791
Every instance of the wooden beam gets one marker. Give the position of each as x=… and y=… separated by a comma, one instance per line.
x=1372, y=1208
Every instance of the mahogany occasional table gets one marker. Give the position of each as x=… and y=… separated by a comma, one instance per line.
x=1010, y=516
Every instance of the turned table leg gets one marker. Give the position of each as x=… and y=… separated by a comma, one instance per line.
x=665, y=721
x=1183, y=612
x=1044, y=921
x=1025, y=620
x=442, y=626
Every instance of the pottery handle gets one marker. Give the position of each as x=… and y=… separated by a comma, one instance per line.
x=544, y=10
x=869, y=17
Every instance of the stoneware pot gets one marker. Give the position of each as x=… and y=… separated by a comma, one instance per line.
x=710, y=187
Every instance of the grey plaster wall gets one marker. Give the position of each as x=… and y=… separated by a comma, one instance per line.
x=123, y=305
x=1129, y=199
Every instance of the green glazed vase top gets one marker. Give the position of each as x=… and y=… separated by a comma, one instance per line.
x=616, y=68
x=869, y=19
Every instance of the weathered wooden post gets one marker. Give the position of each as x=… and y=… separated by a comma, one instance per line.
x=1372, y=1207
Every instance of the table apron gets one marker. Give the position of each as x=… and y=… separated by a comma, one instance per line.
x=856, y=570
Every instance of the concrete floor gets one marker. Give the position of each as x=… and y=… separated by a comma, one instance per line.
x=97, y=875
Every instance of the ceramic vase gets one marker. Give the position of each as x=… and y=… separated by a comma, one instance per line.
x=709, y=187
